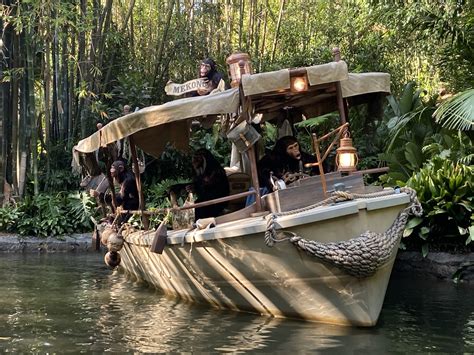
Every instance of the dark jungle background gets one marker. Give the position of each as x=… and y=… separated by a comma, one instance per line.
x=68, y=64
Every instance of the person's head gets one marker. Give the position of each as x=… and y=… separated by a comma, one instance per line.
x=126, y=109
x=118, y=170
x=288, y=146
x=206, y=67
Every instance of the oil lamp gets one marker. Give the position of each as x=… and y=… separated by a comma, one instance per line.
x=346, y=154
x=298, y=80
x=298, y=83
x=239, y=64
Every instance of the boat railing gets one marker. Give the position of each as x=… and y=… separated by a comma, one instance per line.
x=192, y=205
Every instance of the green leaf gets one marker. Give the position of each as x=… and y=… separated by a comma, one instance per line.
x=407, y=232
x=412, y=223
x=425, y=231
x=424, y=250
x=413, y=155
x=470, y=238
x=406, y=101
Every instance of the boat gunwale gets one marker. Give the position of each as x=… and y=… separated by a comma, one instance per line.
x=255, y=225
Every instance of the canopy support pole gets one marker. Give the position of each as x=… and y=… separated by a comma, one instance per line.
x=136, y=169
x=341, y=105
x=246, y=103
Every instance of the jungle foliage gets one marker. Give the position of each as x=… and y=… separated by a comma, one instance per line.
x=64, y=66
x=445, y=190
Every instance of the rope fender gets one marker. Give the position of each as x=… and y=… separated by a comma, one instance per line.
x=360, y=256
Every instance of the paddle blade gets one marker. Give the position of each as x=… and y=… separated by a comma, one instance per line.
x=159, y=240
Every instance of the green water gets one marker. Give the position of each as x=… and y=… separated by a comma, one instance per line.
x=72, y=303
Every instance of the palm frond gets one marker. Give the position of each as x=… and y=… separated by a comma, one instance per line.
x=457, y=112
x=315, y=121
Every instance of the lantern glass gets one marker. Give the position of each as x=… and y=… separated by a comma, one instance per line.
x=299, y=84
x=346, y=159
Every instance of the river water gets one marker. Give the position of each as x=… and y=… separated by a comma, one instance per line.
x=57, y=303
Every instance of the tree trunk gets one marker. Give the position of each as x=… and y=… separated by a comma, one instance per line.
x=82, y=68
x=277, y=30
x=31, y=112
x=15, y=156
x=47, y=102
x=161, y=46
x=262, y=51
x=6, y=98
x=128, y=16
x=24, y=123
x=241, y=22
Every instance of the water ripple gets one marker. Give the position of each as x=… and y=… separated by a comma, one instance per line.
x=73, y=303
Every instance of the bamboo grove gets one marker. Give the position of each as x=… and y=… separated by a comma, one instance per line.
x=68, y=64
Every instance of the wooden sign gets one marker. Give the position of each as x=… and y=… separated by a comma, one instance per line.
x=180, y=89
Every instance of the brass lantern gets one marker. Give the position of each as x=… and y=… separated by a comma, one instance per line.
x=346, y=157
x=298, y=84
x=239, y=64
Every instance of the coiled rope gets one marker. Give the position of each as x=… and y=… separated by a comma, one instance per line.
x=360, y=256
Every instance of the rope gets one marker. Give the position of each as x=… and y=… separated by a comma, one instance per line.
x=361, y=256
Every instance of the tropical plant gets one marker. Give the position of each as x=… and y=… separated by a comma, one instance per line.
x=445, y=190
x=213, y=140
x=457, y=112
x=49, y=215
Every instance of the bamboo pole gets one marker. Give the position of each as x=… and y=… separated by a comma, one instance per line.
x=136, y=169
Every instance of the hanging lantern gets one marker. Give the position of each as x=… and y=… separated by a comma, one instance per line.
x=239, y=64
x=346, y=158
x=298, y=80
x=299, y=84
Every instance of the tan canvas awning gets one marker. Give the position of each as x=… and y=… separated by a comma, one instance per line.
x=365, y=83
x=280, y=80
x=154, y=126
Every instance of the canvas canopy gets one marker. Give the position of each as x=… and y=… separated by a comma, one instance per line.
x=280, y=80
x=154, y=126
x=365, y=83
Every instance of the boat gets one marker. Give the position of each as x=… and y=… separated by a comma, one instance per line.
x=321, y=249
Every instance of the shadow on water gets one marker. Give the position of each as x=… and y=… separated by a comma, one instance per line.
x=73, y=303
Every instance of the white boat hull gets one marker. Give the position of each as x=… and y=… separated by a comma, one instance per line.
x=231, y=267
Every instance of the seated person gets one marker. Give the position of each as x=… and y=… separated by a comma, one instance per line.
x=286, y=161
x=209, y=182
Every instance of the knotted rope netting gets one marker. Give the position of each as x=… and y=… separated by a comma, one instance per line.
x=360, y=256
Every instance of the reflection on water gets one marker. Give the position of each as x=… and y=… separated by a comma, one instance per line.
x=73, y=303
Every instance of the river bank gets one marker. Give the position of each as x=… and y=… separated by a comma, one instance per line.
x=73, y=243
x=438, y=265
